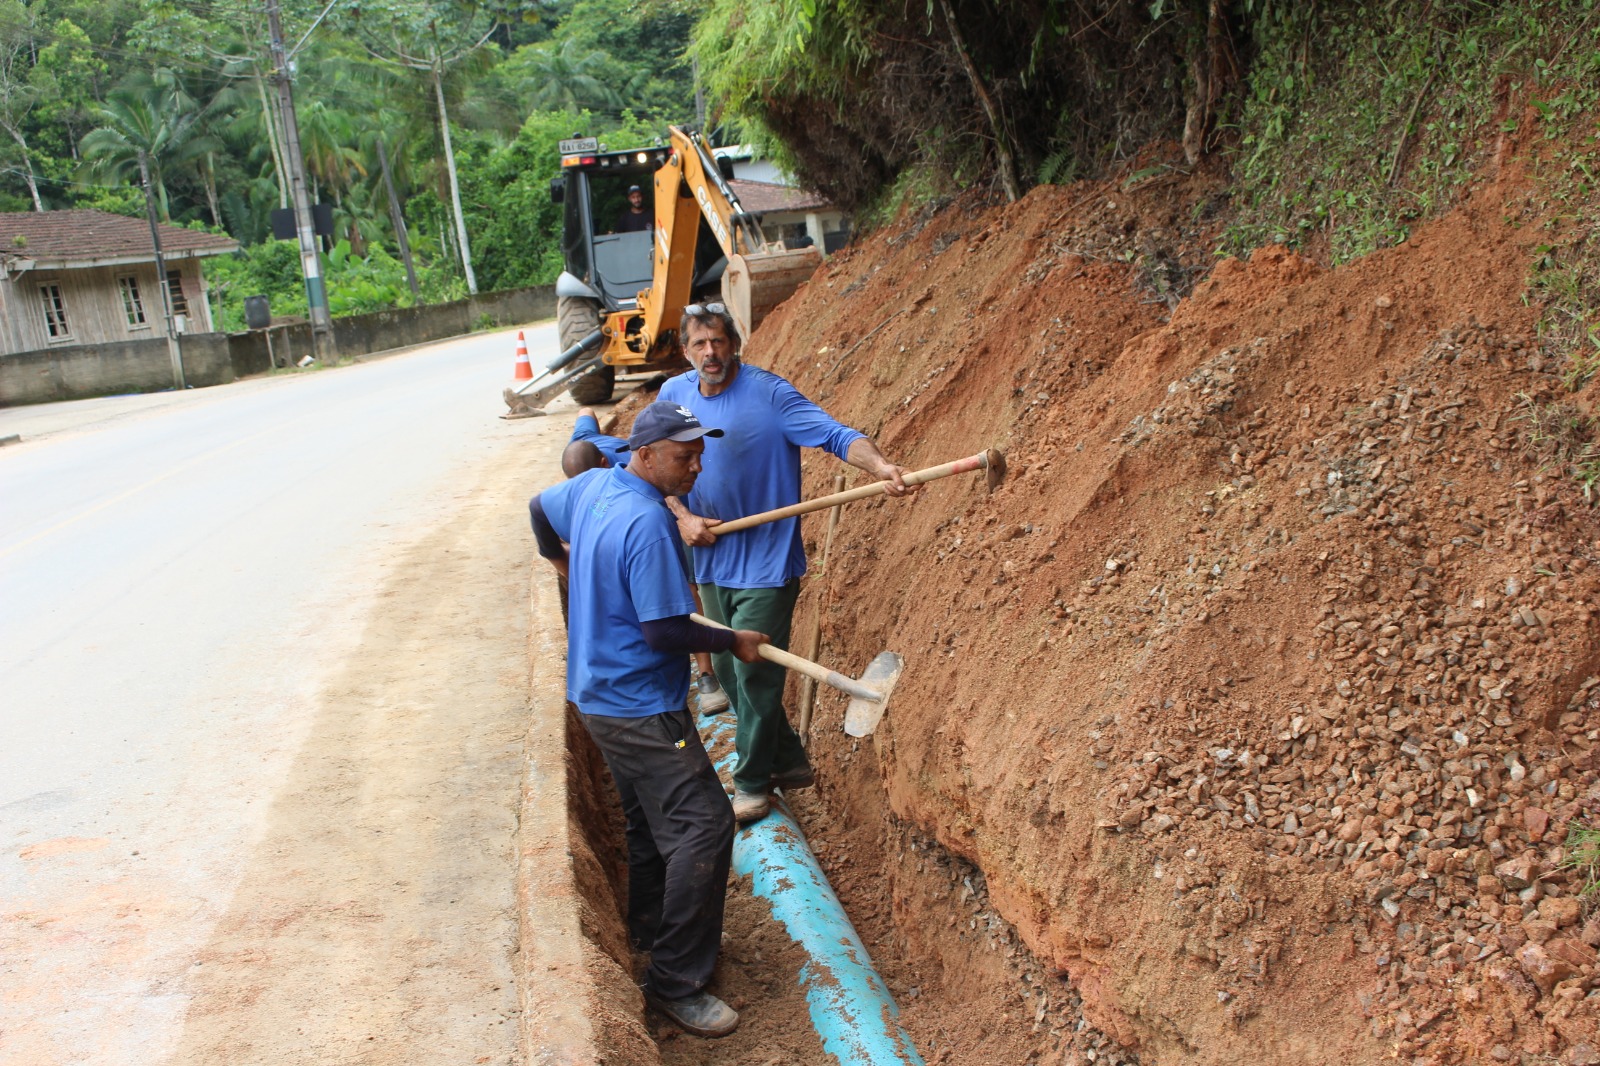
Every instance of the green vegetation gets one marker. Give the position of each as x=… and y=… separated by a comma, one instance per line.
x=1344, y=124
x=1583, y=855
x=855, y=92
x=85, y=87
x=1562, y=440
x=1356, y=123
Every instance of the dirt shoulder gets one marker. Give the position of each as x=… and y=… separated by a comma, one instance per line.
x=378, y=922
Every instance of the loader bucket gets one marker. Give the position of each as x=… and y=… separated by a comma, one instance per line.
x=754, y=284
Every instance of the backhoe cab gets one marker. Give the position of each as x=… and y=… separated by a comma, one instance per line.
x=621, y=296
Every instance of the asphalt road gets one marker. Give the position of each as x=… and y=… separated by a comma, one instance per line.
x=185, y=580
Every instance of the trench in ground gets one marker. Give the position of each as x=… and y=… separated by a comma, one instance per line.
x=969, y=991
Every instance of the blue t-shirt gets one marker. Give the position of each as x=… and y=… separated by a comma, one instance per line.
x=615, y=449
x=625, y=566
x=754, y=467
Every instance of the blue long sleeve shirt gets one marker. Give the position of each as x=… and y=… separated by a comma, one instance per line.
x=625, y=569
x=615, y=449
x=754, y=467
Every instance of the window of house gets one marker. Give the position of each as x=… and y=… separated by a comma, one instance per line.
x=55, y=311
x=132, y=305
x=180, y=305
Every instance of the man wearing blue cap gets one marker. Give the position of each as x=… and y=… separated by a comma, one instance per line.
x=587, y=449
x=751, y=579
x=609, y=531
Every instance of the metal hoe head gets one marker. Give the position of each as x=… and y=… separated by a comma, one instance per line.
x=862, y=716
x=994, y=467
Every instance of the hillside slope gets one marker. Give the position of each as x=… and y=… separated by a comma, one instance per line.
x=1263, y=693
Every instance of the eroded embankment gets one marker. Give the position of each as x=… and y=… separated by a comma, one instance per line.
x=1260, y=695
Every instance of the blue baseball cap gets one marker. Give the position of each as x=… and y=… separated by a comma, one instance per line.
x=664, y=420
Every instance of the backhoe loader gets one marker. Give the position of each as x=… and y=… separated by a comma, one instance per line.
x=606, y=318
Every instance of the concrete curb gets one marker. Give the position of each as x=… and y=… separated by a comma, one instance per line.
x=555, y=989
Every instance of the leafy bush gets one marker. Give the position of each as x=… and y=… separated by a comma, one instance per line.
x=356, y=285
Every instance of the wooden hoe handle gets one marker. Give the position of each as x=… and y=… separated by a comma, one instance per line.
x=986, y=460
x=790, y=661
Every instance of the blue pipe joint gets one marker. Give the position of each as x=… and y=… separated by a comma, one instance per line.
x=851, y=1008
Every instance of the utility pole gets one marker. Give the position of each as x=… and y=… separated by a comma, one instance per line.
x=174, y=346
x=310, y=261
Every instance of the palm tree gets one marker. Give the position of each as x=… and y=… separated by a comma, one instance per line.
x=327, y=143
x=563, y=79
x=154, y=115
x=438, y=39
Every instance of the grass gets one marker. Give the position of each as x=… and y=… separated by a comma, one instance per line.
x=1357, y=123
x=1583, y=855
x=1561, y=439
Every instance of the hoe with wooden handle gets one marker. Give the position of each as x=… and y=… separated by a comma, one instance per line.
x=869, y=696
x=992, y=461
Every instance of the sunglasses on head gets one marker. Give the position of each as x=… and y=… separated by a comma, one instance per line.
x=696, y=310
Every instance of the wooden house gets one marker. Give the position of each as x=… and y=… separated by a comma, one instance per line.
x=89, y=277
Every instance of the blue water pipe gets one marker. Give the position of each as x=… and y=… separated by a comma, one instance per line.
x=851, y=1008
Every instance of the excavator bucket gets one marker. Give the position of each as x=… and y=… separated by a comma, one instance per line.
x=752, y=285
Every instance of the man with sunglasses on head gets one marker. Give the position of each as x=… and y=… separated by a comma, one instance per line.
x=608, y=530
x=751, y=579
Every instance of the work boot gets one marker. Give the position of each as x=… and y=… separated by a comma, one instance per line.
x=749, y=806
x=802, y=776
x=712, y=699
x=701, y=1013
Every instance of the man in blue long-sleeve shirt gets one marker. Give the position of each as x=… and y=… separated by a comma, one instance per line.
x=608, y=530
x=751, y=579
x=587, y=449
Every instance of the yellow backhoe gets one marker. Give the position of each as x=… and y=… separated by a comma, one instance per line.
x=606, y=319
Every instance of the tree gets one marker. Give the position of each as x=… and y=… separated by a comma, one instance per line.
x=565, y=78
x=433, y=37
x=64, y=79
x=17, y=93
x=152, y=114
x=327, y=144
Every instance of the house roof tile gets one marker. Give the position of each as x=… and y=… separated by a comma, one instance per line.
x=83, y=237
x=760, y=197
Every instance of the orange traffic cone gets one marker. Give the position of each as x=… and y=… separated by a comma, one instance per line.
x=524, y=368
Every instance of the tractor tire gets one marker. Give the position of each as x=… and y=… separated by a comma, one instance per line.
x=576, y=318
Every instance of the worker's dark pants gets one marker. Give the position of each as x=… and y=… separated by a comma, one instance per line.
x=767, y=744
x=680, y=843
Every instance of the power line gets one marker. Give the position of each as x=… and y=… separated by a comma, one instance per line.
x=63, y=181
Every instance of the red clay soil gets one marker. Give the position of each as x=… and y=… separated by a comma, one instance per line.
x=1246, y=720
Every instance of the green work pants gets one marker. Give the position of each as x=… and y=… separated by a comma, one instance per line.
x=765, y=741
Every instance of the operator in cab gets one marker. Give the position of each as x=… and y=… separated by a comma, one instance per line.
x=635, y=218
